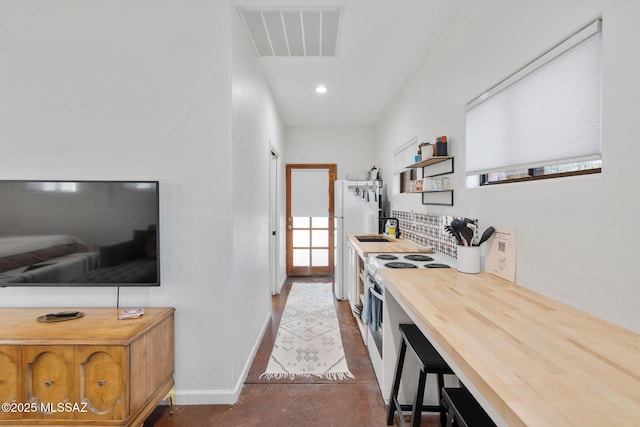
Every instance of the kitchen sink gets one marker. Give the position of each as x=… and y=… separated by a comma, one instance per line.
x=369, y=239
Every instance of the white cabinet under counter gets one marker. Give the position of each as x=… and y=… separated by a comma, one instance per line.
x=355, y=274
x=354, y=281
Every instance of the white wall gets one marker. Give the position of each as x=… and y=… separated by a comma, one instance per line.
x=256, y=128
x=569, y=244
x=352, y=148
x=142, y=91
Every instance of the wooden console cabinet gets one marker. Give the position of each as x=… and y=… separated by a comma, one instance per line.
x=91, y=371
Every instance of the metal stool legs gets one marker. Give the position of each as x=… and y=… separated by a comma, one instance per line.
x=416, y=413
x=430, y=363
x=393, y=400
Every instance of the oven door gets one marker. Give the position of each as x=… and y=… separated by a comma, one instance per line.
x=375, y=327
x=372, y=316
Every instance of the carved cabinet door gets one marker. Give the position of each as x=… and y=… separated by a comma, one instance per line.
x=10, y=380
x=102, y=382
x=50, y=378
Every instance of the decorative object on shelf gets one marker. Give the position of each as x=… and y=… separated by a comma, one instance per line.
x=434, y=183
x=435, y=191
x=441, y=146
x=373, y=173
x=428, y=150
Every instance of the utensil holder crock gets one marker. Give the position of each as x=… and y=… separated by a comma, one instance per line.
x=469, y=259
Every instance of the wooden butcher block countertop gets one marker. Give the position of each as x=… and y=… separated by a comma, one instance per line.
x=392, y=246
x=537, y=361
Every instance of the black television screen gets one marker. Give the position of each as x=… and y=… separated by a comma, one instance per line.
x=79, y=233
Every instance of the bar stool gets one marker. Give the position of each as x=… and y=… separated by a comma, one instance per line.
x=464, y=410
x=430, y=363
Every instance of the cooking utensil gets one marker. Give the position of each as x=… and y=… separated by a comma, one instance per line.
x=467, y=235
x=471, y=224
x=458, y=225
x=485, y=236
x=454, y=233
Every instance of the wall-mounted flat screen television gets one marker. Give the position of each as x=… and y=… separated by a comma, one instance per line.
x=79, y=233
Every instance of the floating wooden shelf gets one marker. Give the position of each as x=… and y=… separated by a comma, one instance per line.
x=429, y=162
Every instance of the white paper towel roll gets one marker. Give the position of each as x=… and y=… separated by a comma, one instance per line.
x=370, y=223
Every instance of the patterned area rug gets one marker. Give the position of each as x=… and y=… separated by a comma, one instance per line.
x=308, y=341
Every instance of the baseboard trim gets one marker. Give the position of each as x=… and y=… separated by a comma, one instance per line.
x=223, y=397
x=205, y=397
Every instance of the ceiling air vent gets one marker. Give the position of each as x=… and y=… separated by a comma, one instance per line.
x=293, y=31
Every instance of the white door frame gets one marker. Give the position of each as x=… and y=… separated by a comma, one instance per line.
x=274, y=235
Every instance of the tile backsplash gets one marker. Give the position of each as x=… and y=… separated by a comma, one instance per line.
x=428, y=230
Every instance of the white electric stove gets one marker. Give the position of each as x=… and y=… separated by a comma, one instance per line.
x=373, y=336
x=376, y=262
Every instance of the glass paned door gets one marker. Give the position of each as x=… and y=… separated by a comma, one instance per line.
x=310, y=228
x=310, y=241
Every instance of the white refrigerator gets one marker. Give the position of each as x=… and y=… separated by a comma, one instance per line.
x=357, y=208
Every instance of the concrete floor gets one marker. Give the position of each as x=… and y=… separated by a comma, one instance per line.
x=305, y=401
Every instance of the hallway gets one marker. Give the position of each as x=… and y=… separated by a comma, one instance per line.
x=304, y=401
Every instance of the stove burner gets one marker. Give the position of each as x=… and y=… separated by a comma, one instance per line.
x=400, y=265
x=436, y=265
x=386, y=256
x=418, y=258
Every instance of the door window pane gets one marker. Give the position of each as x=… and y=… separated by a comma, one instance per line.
x=301, y=257
x=320, y=238
x=307, y=189
x=320, y=257
x=301, y=238
x=300, y=222
x=320, y=222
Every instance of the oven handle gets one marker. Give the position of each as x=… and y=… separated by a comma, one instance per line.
x=376, y=294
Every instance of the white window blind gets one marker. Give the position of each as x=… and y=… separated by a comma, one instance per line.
x=549, y=112
x=403, y=156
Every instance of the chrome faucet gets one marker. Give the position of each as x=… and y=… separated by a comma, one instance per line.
x=385, y=218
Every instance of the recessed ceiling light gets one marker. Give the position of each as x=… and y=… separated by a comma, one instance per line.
x=321, y=89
